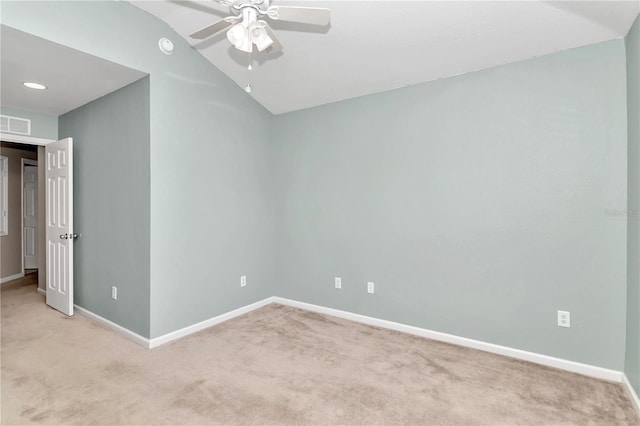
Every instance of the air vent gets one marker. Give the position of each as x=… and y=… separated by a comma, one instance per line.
x=15, y=125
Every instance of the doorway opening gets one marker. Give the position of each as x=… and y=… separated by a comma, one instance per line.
x=23, y=245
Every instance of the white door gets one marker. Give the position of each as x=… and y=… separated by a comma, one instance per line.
x=30, y=216
x=59, y=205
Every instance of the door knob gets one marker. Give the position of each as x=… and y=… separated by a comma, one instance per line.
x=74, y=236
x=64, y=236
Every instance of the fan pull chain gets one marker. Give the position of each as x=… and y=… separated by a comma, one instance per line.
x=247, y=88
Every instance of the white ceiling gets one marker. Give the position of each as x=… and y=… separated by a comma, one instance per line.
x=73, y=78
x=373, y=46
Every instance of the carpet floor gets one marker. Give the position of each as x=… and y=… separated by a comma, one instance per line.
x=276, y=365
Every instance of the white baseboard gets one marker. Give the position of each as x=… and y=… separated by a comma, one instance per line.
x=563, y=364
x=108, y=324
x=113, y=326
x=157, y=341
x=631, y=393
x=11, y=278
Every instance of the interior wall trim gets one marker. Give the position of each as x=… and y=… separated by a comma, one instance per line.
x=166, y=338
x=125, y=332
x=11, y=277
x=29, y=140
x=563, y=364
x=112, y=326
x=174, y=335
x=549, y=361
x=631, y=393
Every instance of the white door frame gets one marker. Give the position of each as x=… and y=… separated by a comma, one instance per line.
x=25, y=162
x=27, y=140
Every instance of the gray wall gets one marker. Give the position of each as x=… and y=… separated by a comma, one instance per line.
x=211, y=194
x=211, y=200
x=632, y=365
x=42, y=125
x=479, y=205
x=111, y=204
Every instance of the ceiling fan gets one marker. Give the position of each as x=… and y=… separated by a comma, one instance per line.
x=248, y=29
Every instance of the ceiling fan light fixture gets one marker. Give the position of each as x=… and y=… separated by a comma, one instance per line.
x=259, y=35
x=240, y=37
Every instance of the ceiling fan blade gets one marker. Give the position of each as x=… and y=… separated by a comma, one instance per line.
x=276, y=46
x=304, y=15
x=214, y=28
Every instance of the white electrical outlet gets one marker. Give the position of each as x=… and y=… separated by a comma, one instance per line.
x=114, y=292
x=370, y=287
x=243, y=281
x=564, y=319
x=338, y=282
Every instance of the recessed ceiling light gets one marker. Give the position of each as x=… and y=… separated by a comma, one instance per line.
x=36, y=86
x=166, y=46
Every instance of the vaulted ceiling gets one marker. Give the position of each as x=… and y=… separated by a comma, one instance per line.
x=374, y=46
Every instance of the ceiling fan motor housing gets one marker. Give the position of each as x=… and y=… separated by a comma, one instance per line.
x=259, y=5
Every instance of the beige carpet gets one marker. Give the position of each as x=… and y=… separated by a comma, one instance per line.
x=276, y=365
